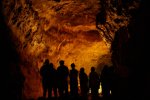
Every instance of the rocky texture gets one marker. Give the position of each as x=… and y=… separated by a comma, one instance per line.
x=59, y=30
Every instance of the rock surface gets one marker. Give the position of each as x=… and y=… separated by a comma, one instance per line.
x=59, y=30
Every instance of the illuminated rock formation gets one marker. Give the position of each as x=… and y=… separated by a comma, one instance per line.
x=59, y=30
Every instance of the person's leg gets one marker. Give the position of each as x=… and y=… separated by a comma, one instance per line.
x=60, y=90
x=44, y=89
x=66, y=89
x=55, y=91
x=50, y=92
x=94, y=92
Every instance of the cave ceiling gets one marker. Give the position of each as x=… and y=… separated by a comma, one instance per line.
x=64, y=30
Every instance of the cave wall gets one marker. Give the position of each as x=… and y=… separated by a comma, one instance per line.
x=9, y=56
x=57, y=30
x=131, y=60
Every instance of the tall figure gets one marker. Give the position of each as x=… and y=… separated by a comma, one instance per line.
x=105, y=81
x=63, y=73
x=47, y=74
x=83, y=83
x=53, y=79
x=94, y=82
x=73, y=81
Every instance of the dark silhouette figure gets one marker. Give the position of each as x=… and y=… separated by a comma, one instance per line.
x=53, y=78
x=108, y=81
x=45, y=77
x=63, y=73
x=112, y=81
x=83, y=84
x=48, y=75
x=73, y=81
x=94, y=82
x=105, y=81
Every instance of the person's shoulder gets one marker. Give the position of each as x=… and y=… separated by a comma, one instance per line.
x=76, y=70
x=90, y=73
x=42, y=67
x=58, y=67
x=70, y=70
x=66, y=67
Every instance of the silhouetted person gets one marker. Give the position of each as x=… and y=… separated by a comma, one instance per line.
x=63, y=73
x=83, y=83
x=73, y=81
x=47, y=73
x=113, y=82
x=106, y=80
x=53, y=79
x=94, y=82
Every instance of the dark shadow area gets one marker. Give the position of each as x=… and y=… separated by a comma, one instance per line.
x=130, y=53
x=11, y=81
x=138, y=52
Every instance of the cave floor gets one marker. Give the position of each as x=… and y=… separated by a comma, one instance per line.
x=78, y=98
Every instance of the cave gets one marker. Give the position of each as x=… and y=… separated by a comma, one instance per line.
x=32, y=31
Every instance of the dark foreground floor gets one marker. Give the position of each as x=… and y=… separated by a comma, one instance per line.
x=89, y=97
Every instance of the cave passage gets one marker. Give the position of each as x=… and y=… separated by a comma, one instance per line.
x=32, y=31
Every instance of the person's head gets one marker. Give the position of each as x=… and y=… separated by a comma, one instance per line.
x=105, y=66
x=81, y=70
x=92, y=69
x=61, y=62
x=46, y=61
x=72, y=65
x=51, y=64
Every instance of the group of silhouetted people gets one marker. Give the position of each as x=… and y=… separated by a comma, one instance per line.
x=56, y=81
